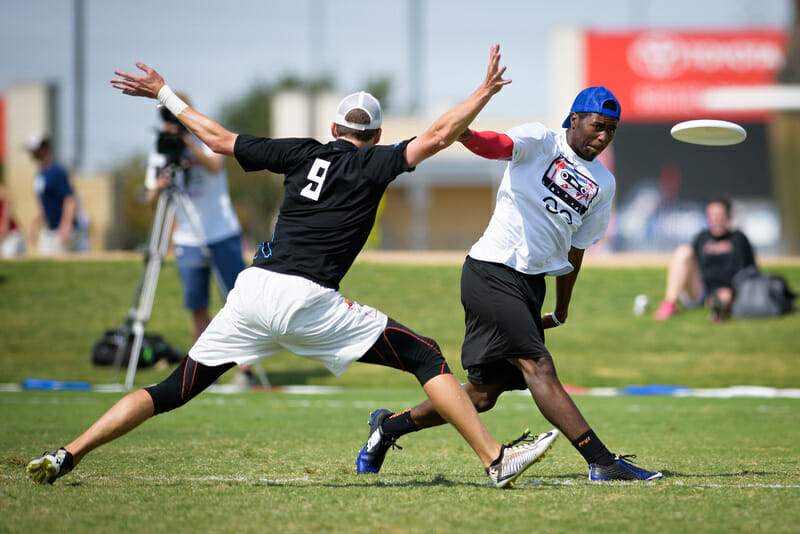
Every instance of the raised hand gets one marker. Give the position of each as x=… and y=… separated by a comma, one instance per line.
x=146, y=85
x=494, y=76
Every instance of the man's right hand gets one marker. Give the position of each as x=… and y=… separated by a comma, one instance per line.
x=163, y=181
x=146, y=85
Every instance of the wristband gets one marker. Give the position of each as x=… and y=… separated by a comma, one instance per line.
x=555, y=319
x=171, y=101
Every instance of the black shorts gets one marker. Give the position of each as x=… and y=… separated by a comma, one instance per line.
x=503, y=319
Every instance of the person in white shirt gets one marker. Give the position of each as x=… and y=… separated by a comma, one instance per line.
x=554, y=201
x=207, y=234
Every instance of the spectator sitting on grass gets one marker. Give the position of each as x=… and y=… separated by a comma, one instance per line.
x=702, y=273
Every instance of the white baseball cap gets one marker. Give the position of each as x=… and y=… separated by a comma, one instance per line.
x=363, y=101
x=34, y=142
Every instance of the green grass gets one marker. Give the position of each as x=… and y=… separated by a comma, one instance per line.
x=284, y=463
x=53, y=312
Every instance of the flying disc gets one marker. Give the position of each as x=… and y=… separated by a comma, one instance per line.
x=709, y=132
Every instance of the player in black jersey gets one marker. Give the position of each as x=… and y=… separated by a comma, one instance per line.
x=289, y=298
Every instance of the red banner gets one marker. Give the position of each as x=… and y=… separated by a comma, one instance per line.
x=660, y=76
x=2, y=129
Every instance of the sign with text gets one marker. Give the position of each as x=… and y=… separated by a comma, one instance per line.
x=661, y=76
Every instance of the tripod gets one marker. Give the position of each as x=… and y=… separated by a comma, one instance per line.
x=141, y=307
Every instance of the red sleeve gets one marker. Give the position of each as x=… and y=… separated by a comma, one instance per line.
x=490, y=145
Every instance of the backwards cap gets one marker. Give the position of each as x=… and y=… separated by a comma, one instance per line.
x=363, y=101
x=594, y=100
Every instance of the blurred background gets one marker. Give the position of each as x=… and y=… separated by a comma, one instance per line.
x=279, y=68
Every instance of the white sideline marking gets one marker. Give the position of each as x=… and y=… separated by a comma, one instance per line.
x=760, y=392
x=650, y=483
x=52, y=400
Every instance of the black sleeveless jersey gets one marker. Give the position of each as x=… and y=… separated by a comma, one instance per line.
x=331, y=196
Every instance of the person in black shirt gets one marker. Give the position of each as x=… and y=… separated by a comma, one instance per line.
x=703, y=272
x=289, y=298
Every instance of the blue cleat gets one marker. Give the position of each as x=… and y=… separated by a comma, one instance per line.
x=621, y=469
x=370, y=457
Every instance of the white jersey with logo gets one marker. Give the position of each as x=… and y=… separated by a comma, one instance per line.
x=212, y=216
x=550, y=199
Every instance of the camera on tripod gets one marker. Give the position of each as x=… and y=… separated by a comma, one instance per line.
x=170, y=142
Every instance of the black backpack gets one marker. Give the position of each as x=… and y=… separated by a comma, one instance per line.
x=154, y=348
x=759, y=294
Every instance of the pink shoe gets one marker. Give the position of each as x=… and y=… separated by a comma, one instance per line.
x=665, y=310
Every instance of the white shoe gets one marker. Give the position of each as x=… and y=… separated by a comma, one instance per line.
x=514, y=459
x=50, y=466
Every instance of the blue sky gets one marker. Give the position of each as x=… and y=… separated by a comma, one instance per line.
x=216, y=50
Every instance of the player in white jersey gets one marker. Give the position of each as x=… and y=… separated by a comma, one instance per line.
x=554, y=201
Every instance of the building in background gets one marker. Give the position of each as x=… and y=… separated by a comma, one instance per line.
x=662, y=78
x=659, y=77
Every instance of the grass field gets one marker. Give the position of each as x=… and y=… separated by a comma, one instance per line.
x=284, y=462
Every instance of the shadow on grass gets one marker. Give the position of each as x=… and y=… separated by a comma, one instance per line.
x=15, y=467
x=80, y=480
x=565, y=481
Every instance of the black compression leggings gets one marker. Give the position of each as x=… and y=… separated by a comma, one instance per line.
x=401, y=348
x=185, y=383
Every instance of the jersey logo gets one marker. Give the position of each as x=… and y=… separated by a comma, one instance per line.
x=316, y=177
x=576, y=190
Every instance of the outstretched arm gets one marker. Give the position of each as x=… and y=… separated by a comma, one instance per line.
x=152, y=85
x=488, y=144
x=444, y=131
x=564, y=285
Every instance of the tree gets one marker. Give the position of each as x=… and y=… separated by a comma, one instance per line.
x=785, y=147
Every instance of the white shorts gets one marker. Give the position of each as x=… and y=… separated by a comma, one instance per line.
x=50, y=243
x=267, y=312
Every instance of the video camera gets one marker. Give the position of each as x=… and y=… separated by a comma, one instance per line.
x=171, y=145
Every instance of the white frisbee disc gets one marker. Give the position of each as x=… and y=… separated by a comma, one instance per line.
x=709, y=132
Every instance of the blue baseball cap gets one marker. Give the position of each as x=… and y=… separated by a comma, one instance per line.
x=594, y=100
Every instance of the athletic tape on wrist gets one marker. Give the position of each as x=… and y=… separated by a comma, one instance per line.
x=171, y=101
x=555, y=319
